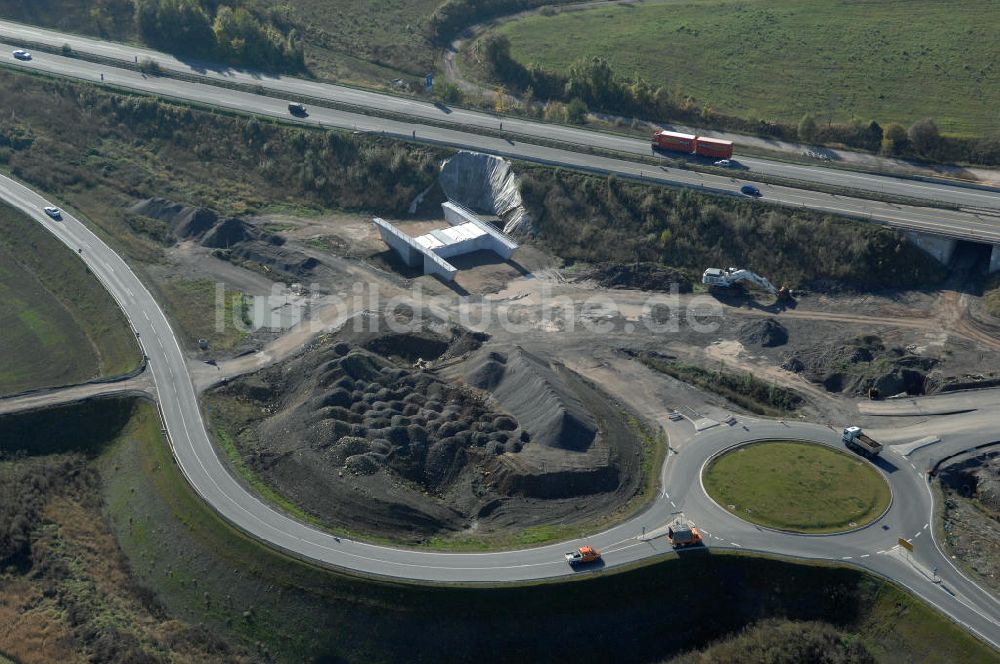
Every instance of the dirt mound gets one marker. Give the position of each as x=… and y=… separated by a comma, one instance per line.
x=231, y=238
x=227, y=233
x=864, y=364
x=346, y=411
x=639, y=276
x=427, y=339
x=533, y=391
x=186, y=222
x=381, y=447
x=767, y=333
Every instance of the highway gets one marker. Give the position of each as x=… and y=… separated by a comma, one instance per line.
x=291, y=87
x=926, y=572
x=981, y=222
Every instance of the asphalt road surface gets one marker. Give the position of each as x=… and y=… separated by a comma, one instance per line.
x=926, y=572
x=980, y=222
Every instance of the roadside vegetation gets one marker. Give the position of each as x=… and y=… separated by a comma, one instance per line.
x=744, y=389
x=59, y=326
x=802, y=487
x=193, y=302
x=847, y=71
x=68, y=592
x=592, y=219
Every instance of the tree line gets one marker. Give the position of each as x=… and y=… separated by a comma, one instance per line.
x=207, y=28
x=593, y=84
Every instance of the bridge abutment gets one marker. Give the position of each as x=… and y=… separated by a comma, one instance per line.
x=995, y=259
x=941, y=248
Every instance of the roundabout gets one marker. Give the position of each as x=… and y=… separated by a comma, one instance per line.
x=797, y=486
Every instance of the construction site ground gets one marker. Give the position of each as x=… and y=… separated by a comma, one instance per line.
x=928, y=338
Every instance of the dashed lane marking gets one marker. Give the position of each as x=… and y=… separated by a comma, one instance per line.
x=846, y=557
x=925, y=526
x=864, y=555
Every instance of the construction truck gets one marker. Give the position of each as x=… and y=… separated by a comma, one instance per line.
x=583, y=555
x=857, y=441
x=683, y=534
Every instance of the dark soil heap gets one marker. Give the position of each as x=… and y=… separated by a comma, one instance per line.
x=863, y=364
x=645, y=276
x=232, y=238
x=529, y=387
x=384, y=447
x=767, y=333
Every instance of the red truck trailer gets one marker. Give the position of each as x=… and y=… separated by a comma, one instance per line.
x=713, y=147
x=674, y=141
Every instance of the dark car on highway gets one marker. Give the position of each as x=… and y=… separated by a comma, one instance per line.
x=750, y=190
x=297, y=109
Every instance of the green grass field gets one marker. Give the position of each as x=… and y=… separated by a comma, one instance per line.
x=802, y=487
x=366, y=41
x=57, y=324
x=891, y=60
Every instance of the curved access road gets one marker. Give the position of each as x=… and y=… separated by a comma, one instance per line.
x=926, y=571
x=463, y=129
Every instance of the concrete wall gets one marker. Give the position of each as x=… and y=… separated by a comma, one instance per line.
x=499, y=243
x=937, y=246
x=401, y=243
x=437, y=266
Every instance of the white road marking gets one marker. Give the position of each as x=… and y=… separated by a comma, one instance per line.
x=846, y=557
x=918, y=534
x=737, y=545
x=864, y=555
x=925, y=526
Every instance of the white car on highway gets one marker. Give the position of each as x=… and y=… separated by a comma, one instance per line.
x=53, y=212
x=21, y=54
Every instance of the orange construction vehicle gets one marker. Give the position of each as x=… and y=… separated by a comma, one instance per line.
x=681, y=534
x=583, y=555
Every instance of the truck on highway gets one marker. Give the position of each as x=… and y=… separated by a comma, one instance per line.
x=673, y=141
x=858, y=441
x=683, y=534
x=583, y=555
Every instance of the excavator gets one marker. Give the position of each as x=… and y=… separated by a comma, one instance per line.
x=726, y=278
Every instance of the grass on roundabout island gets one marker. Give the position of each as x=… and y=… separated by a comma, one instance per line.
x=797, y=486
